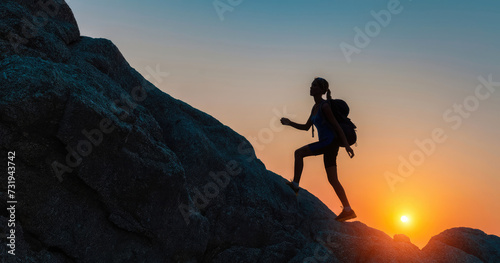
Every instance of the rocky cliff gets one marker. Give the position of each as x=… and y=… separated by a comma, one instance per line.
x=108, y=168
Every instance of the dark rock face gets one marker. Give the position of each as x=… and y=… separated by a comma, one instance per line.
x=37, y=28
x=464, y=245
x=111, y=169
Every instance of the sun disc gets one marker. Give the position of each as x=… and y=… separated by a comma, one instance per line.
x=404, y=219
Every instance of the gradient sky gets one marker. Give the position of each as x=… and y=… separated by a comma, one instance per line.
x=263, y=56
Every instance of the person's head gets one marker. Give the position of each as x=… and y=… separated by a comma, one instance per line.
x=320, y=86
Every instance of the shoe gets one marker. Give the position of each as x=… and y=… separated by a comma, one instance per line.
x=295, y=187
x=346, y=215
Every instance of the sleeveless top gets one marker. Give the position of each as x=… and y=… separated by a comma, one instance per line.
x=325, y=129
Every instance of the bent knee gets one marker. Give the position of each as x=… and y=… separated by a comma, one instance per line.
x=300, y=153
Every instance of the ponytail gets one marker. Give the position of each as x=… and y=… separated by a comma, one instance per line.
x=328, y=94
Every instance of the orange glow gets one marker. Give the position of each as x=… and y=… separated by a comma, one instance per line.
x=435, y=197
x=460, y=176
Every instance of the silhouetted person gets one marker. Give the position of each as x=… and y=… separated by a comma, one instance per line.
x=328, y=128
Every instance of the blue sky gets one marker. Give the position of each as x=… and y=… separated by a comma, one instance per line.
x=450, y=32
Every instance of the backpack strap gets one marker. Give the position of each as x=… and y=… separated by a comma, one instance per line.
x=320, y=112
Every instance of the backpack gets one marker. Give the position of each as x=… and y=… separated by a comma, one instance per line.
x=340, y=110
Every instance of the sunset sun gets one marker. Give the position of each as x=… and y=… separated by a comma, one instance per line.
x=405, y=219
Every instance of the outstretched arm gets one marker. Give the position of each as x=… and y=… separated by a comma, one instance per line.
x=331, y=118
x=304, y=127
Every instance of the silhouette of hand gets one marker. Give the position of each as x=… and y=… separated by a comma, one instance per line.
x=349, y=151
x=285, y=121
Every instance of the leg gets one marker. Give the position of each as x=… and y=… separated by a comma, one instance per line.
x=299, y=161
x=330, y=160
x=334, y=181
x=347, y=212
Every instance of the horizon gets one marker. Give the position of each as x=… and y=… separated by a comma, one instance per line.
x=253, y=65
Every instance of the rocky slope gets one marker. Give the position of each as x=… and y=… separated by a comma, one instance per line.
x=111, y=169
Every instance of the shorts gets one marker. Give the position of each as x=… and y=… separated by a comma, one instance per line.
x=329, y=149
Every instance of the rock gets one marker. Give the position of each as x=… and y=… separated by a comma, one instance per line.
x=111, y=169
x=463, y=244
x=37, y=28
x=401, y=238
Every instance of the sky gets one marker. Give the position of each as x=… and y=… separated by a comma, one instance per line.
x=421, y=79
